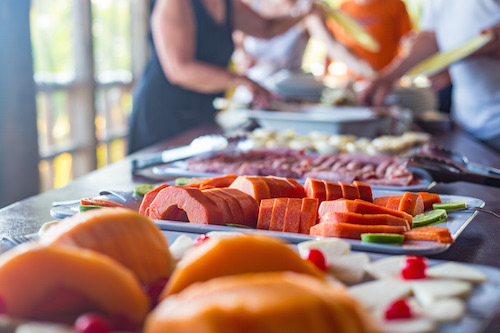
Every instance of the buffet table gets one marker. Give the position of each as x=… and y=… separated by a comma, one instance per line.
x=477, y=244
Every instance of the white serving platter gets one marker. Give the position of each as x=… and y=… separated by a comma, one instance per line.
x=481, y=306
x=457, y=222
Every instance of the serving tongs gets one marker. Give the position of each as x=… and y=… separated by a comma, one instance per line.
x=458, y=158
x=447, y=171
x=211, y=143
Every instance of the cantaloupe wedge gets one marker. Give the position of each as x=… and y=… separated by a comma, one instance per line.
x=128, y=237
x=41, y=282
x=261, y=303
x=236, y=255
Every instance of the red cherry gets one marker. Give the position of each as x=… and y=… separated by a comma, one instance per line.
x=201, y=239
x=154, y=289
x=398, y=310
x=317, y=258
x=92, y=323
x=414, y=268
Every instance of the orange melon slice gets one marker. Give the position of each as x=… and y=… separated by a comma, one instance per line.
x=128, y=237
x=263, y=303
x=236, y=255
x=31, y=275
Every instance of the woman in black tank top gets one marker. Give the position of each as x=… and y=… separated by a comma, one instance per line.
x=188, y=68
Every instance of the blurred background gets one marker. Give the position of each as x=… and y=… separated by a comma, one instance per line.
x=67, y=72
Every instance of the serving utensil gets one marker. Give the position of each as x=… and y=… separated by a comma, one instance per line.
x=446, y=170
x=210, y=143
x=456, y=157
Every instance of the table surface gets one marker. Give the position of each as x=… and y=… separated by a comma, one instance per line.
x=477, y=244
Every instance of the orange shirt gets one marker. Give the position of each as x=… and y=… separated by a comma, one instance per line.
x=386, y=20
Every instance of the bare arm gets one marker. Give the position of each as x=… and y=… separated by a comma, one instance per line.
x=249, y=22
x=174, y=32
x=317, y=28
x=422, y=46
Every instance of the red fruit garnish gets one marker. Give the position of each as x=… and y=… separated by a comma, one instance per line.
x=317, y=258
x=154, y=290
x=414, y=268
x=200, y=239
x=92, y=323
x=398, y=310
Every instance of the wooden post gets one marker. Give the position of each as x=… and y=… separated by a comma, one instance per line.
x=19, y=174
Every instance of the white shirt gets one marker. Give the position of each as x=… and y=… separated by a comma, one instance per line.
x=476, y=81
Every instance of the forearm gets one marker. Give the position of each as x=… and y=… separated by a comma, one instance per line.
x=248, y=21
x=318, y=29
x=203, y=77
x=423, y=46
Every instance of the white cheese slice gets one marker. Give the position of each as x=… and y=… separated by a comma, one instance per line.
x=386, y=267
x=330, y=247
x=180, y=246
x=413, y=325
x=380, y=293
x=350, y=268
x=453, y=270
x=446, y=309
x=428, y=291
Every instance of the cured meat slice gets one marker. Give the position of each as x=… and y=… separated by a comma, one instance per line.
x=198, y=207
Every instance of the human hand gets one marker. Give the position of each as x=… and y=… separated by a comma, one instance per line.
x=492, y=48
x=375, y=91
x=261, y=97
x=440, y=80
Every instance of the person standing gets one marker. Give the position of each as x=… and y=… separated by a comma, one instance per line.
x=386, y=20
x=192, y=47
x=476, y=79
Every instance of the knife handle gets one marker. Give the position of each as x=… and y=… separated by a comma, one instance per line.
x=145, y=162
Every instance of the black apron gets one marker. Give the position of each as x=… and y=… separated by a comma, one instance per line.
x=161, y=109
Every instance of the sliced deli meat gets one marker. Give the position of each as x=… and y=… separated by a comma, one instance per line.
x=378, y=170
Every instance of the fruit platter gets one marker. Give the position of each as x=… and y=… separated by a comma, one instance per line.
x=113, y=270
x=396, y=222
